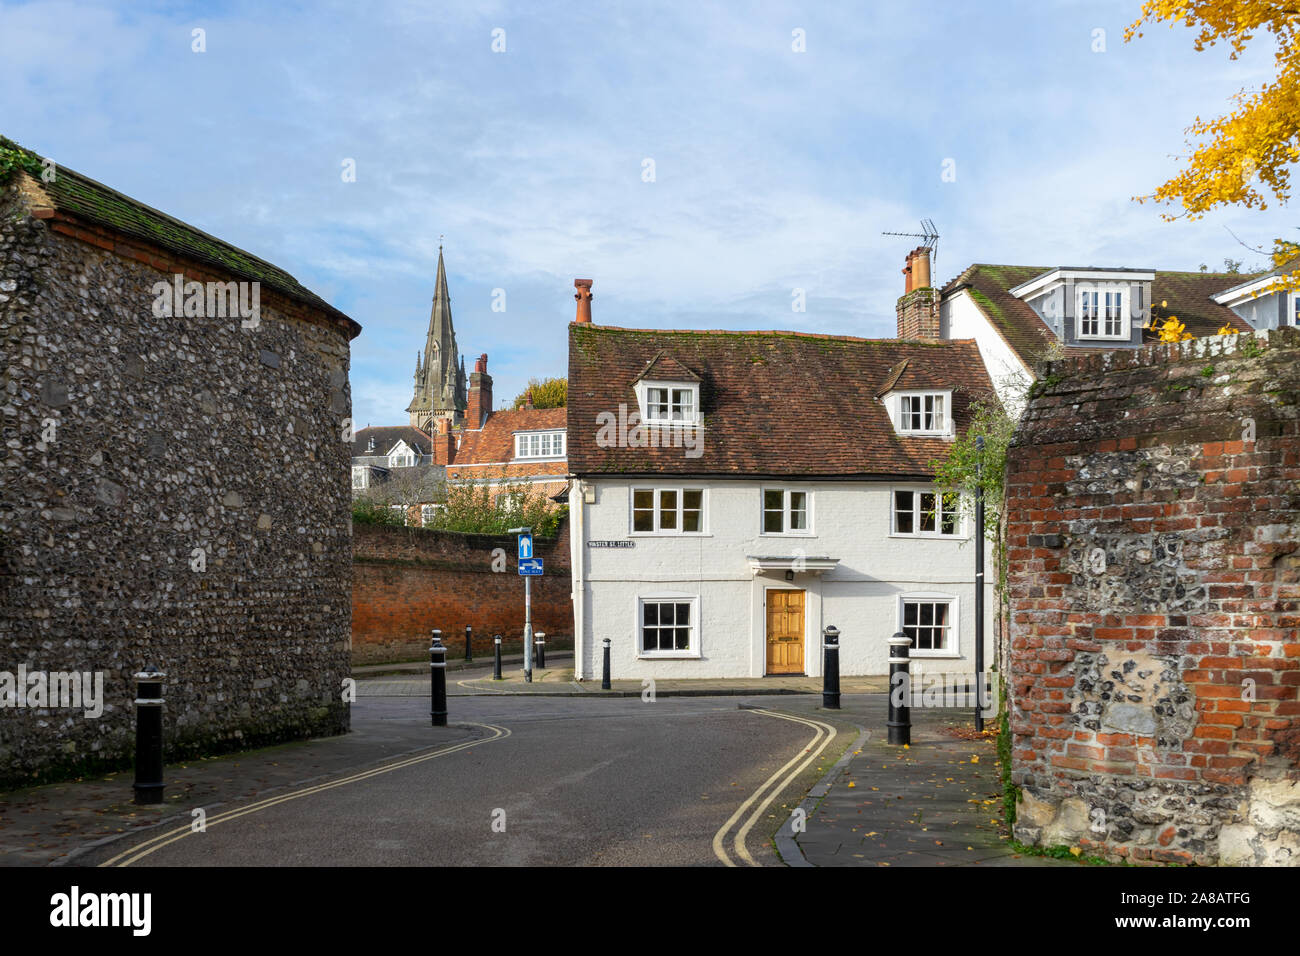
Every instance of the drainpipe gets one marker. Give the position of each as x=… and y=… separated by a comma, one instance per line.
x=577, y=551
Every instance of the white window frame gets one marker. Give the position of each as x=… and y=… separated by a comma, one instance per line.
x=401, y=455
x=916, y=491
x=786, y=493
x=659, y=530
x=953, y=650
x=362, y=472
x=667, y=597
x=525, y=438
x=405, y=512
x=427, y=512
x=643, y=389
x=1105, y=294
x=946, y=413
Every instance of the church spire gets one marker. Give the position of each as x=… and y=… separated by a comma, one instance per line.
x=439, y=388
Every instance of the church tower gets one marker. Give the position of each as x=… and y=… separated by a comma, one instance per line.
x=440, y=390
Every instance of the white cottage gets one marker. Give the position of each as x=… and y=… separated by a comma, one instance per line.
x=735, y=492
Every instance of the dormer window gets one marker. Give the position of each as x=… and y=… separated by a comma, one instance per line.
x=1089, y=304
x=401, y=456
x=923, y=413
x=1103, y=312
x=667, y=392
x=665, y=404
x=539, y=444
x=669, y=403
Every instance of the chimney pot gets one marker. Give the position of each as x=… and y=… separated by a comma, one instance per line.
x=583, y=297
x=921, y=268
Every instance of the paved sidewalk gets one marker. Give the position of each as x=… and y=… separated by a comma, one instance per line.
x=558, y=681
x=937, y=802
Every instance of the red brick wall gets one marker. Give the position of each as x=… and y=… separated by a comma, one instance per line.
x=1153, y=557
x=407, y=581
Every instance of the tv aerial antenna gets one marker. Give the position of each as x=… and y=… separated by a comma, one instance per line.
x=928, y=234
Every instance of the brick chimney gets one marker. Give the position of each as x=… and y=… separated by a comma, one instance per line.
x=583, y=295
x=918, y=307
x=444, y=442
x=480, y=394
x=528, y=399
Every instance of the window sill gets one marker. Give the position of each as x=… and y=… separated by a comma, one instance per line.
x=929, y=537
x=787, y=534
x=668, y=656
x=908, y=434
x=934, y=656
x=669, y=534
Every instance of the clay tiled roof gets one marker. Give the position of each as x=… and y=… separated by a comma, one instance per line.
x=386, y=437
x=774, y=403
x=1187, y=295
x=495, y=441
x=665, y=368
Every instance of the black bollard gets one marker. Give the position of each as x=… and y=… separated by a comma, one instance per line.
x=469, y=643
x=496, y=668
x=148, y=736
x=900, y=690
x=541, y=649
x=438, y=680
x=604, y=674
x=831, y=668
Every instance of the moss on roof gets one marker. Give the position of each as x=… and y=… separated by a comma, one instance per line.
x=13, y=158
x=83, y=197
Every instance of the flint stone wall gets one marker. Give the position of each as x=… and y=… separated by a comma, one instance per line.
x=1153, y=552
x=170, y=435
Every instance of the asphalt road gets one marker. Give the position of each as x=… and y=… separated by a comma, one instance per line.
x=520, y=781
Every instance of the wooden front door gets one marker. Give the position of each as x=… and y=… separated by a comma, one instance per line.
x=785, y=632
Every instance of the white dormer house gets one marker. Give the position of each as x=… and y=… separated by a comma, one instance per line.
x=382, y=452
x=1018, y=315
x=808, y=499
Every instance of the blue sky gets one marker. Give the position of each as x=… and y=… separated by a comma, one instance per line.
x=775, y=170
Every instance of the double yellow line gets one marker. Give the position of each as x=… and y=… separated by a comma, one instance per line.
x=140, y=851
x=772, y=787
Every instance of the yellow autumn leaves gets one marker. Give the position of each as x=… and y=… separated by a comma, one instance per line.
x=1170, y=330
x=1237, y=157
